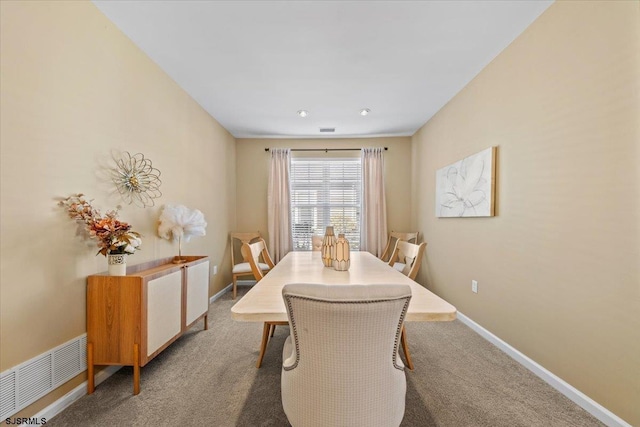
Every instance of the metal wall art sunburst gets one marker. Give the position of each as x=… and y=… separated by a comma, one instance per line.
x=137, y=181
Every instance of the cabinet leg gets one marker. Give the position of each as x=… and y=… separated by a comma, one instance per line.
x=136, y=369
x=206, y=322
x=90, y=379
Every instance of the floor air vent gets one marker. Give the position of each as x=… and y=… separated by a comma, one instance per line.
x=34, y=379
x=8, y=404
x=22, y=385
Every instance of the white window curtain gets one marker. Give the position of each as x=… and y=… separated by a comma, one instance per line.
x=373, y=233
x=279, y=204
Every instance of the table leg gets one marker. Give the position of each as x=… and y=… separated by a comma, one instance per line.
x=263, y=345
x=405, y=348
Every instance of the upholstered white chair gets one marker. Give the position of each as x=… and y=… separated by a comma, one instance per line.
x=340, y=363
x=407, y=258
x=242, y=268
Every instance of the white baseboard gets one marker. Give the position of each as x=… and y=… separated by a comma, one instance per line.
x=229, y=287
x=581, y=399
x=219, y=294
x=246, y=282
x=65, y=401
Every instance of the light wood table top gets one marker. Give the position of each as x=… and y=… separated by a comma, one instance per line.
x=264, y=303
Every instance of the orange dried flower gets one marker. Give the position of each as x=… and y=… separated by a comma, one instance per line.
x=113, y=236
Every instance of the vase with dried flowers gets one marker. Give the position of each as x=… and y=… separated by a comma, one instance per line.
x=115, y=238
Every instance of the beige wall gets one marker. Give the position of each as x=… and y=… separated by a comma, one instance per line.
x=253, y=172
x=73, y=88
x=558, y=267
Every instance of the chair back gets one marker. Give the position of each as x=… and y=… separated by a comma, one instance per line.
x=252, y=252
x=395, y=236
x=237, y=239
x=340, y=363
x=410, y=256
x=316, y=243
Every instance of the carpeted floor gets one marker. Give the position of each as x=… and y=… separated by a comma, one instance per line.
x=208, y=378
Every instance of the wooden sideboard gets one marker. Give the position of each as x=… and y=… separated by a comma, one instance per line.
x=132, y=318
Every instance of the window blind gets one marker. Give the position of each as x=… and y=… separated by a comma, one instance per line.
x=325, y=192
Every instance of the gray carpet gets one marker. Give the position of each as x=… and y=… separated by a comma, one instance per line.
x=208, y=378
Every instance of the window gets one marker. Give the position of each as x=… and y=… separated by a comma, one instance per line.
x=325, y=192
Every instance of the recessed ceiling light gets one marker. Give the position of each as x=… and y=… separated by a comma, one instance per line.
x=364, y=111
x=303, y=113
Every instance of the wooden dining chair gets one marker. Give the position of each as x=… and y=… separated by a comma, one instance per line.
x=255, y=253
x=407, y=258
x=240, y=266
x=252, y=252
x=395, y=236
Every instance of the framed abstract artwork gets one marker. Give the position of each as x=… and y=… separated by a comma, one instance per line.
x=466, y=188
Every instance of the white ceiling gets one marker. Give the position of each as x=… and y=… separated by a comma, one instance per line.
x=253, y=64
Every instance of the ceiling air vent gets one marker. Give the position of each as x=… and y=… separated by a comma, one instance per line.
x=327, y=129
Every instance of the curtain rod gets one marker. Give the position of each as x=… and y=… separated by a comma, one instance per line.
x=325, y=149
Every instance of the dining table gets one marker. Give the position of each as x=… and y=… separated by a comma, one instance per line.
x=264, y=302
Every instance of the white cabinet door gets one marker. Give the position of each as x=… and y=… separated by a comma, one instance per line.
x=197, y=290
x=164, y=304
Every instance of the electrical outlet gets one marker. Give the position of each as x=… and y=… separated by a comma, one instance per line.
x=474, y=286
x=215, y=270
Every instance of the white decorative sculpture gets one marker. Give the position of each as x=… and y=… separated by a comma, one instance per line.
x=179, y=222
